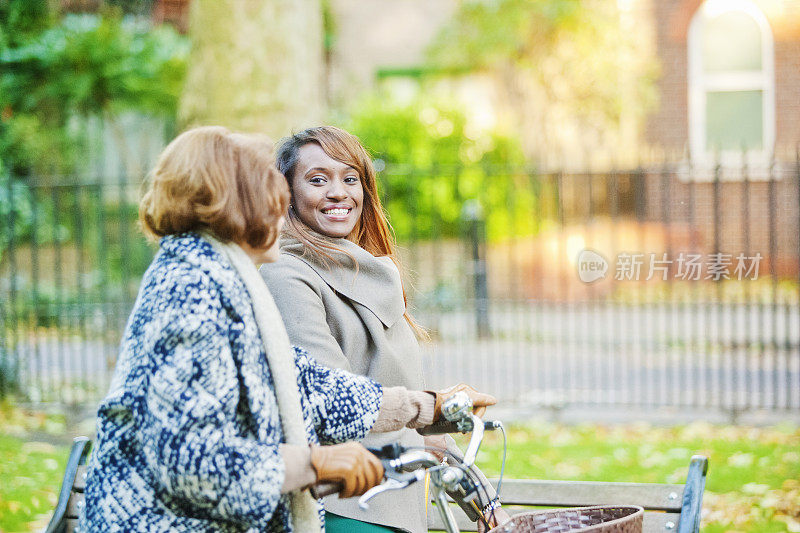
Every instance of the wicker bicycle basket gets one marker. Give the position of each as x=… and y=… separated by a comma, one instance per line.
x=598, y=519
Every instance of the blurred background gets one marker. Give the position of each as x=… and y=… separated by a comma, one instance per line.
x=597, y=204
x=511, y=137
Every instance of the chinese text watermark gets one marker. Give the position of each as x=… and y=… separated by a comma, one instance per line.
x=685, y=266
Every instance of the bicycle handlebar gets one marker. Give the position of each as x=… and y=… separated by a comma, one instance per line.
x=396, y=467
x=457, y=418
x=445, y=427
x=325, y=488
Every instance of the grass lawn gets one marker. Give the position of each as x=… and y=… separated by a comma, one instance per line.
x=31, y=468
x=753, y=479
x=753, y=482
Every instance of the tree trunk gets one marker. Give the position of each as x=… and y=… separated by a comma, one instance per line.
x=255, y=65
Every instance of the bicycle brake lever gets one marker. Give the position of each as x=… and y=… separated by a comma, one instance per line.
x=391, y=483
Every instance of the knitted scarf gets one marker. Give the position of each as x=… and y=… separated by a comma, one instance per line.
x=280, y=356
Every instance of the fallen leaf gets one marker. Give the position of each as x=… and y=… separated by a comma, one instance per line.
x=741, y=460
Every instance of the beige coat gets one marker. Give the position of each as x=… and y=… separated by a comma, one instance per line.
x=353, y=319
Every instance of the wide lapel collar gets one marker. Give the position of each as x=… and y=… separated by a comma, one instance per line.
x=374, y=283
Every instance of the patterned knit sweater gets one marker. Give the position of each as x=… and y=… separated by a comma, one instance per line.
x=188, y=435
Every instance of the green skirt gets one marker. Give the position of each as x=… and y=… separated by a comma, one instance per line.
x=339, y=524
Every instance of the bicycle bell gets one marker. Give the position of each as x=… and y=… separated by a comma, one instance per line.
x=458, y=408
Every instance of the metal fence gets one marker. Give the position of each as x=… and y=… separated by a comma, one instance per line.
x=71, y=262
x=663, y=286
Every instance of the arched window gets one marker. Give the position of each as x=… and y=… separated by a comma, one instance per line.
x=731, y=81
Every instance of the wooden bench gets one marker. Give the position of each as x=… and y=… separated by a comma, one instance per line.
x=668, y=507
x=70, y=499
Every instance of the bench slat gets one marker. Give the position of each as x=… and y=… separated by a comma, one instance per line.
x=651, y=496
x=80, y=479
x=74, y=504
x=654, y=522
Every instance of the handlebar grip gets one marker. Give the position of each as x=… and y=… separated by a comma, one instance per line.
x=442, y=427
x=325, y=488
x=439, y=428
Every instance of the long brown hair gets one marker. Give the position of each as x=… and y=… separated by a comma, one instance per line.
x=372, y=232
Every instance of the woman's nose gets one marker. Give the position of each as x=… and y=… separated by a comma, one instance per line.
x=337, y=190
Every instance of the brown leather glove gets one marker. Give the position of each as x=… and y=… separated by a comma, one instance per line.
x=480, y=401
x=349, y=464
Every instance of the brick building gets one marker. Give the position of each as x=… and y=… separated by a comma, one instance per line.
x=730, y=78
x=730, y=86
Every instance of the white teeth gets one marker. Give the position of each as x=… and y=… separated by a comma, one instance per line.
x=336, y=211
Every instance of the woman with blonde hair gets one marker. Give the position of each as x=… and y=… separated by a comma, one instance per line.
x=338, y=287
x=213, y=422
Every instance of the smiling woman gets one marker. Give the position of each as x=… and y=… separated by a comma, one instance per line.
x=337, y=285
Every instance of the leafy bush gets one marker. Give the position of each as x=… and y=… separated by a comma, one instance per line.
x=81, y=66
x=16, y=210
x=435, y=162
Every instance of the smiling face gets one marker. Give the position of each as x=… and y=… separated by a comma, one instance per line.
x=327, y=195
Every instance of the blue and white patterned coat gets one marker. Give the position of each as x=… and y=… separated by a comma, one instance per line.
x=187, y=438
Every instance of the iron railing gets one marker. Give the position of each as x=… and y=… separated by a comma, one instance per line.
x=497, y=280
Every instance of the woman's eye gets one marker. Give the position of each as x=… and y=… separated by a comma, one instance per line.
x=351, y=179
x=317, y=179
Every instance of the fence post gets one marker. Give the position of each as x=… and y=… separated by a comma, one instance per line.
x=3, y=329
x=472, y=213
x=9, y=377
x=4, y=362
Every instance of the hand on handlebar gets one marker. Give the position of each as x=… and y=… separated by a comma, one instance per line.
x=348, y=464
x=480, y=401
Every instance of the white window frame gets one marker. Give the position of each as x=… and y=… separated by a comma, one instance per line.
x=701, y=82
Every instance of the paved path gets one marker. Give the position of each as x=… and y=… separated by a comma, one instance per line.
x=562, y=375
x=539, y=356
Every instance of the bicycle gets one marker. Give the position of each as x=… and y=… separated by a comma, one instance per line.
x=404, y=466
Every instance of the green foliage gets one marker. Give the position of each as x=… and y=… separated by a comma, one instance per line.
x=142, y=8
x=483, y=34
x=9, y=375
x=16, y=210
x=565, y=65
x=434, y=162
x=84, y=65
x=22, y=20
x=572, y=46
x=27, y=144
x=96, y=230
x=76, y=248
